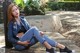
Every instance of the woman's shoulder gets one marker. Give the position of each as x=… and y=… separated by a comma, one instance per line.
x=22, y=17
x=10, y=23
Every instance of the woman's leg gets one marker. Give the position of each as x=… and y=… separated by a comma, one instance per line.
x=52, y=42
x=32, y=42
x=32, y=32
x=55, y=44
x=35, y=32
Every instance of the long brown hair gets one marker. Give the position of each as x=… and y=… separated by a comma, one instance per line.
x=9, y=12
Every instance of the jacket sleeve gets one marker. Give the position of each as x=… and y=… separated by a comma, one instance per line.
x=10, y=34
x=27, y=24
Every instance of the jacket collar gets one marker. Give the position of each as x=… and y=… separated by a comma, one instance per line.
x=22, y=21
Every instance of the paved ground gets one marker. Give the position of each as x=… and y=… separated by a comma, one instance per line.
x=38, y=48
x=71, y=25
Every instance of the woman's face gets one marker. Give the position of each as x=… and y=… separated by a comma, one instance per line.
x=15, y=11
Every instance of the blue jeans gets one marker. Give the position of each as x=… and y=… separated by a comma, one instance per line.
x=33, y=36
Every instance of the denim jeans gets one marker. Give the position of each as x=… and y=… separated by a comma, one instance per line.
x=33, y=36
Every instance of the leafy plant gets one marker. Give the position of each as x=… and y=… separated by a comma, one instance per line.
x=20, y=3
x=73, y=6
x=34, y=8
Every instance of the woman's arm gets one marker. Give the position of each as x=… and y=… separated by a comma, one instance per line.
x=25, y=43
x=12, y=39
x=26, y=23
x=28, y=26
x=10, y=34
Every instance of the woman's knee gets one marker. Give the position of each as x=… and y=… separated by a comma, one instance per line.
x=34, y=28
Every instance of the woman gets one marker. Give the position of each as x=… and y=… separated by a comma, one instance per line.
x=22, y=35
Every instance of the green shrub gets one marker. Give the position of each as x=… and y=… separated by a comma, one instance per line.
x=73, y=6
x=20, y=3
x=33, y=8
x=53, y=5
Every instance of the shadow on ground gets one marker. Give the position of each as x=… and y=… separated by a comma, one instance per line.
x=37, y=48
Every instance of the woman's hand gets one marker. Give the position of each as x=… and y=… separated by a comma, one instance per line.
x=42, y=33
x=20, y=34
x=25, y=43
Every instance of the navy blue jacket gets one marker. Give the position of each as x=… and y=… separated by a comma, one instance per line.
x=13, y=29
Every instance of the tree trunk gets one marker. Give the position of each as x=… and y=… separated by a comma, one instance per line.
x=5, y=6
